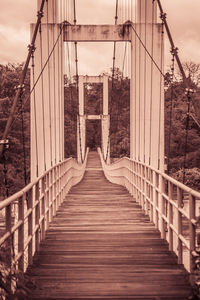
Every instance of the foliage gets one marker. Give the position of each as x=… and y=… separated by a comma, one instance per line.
x=11, y=277
x=192, y=177
x=9, y=80
x=176, y=105
x=182, y=134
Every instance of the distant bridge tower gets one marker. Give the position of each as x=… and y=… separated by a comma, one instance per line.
x=82, y=117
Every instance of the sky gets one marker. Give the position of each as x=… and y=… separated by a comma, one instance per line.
x=15, y=17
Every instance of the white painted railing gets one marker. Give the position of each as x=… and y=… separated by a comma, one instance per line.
x=28, y=213
x=171, y=206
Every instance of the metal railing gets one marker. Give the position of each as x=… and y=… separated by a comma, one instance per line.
x=27, y=214
x=171, y=206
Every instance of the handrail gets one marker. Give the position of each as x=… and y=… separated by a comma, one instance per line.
x=27, y=213
x=171, y=205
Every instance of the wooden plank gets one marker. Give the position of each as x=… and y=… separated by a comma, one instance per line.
x=101, y=245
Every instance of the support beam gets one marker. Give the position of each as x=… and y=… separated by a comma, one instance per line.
x=96, y=33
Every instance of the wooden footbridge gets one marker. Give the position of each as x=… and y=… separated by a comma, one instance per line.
x=87, y=228
x=101, y=245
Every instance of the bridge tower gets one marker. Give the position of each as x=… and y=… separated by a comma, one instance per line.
x=147, y=87
x=47, y=100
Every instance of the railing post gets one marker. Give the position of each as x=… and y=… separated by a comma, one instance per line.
x=136, y=182
x=37, y=217
x=192, y=228
x=21, y=232
x=152, y=188
x=170, y=215
x=54, y=191
x=162, y=207
x=180, y=246
x=42, y=199
x=47, y=201
x=51, y=195
x=9, y=243
x=155, y=199
x=30, y=229
x=59, y=186
x=146, y=190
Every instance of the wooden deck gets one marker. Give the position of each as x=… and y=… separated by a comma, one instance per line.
x=101, y=245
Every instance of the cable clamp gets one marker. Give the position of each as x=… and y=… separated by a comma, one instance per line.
x=19, y=87
x=40, y=14
x=5, y=143
x=174, y=51
x=31, y=48
x=163, y=16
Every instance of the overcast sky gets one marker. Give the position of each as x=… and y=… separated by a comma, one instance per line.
x=15, y=17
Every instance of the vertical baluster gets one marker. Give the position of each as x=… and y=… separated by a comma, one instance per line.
x=136, y=182
x=180, y=226
x=154, y=196
x=146, y=202
x=47, y=201
x=170, y=215
x=30, y=228
x=51, y=194
x=144, y=188
x=59, y=187
x=162, y=206
x=37, y=217
x=132, y=179
x=21, y=232
x=192, y=230
x=43, y=207
x=157, y=199
x=54, y=191
x=61, y=184
x=9, y=241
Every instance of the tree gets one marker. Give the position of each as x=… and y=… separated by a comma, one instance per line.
x=9, y=80
x=182, y=138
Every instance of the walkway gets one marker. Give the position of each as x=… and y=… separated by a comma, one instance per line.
x=102, y=246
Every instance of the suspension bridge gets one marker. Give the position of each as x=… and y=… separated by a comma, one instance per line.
x=88, y=227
